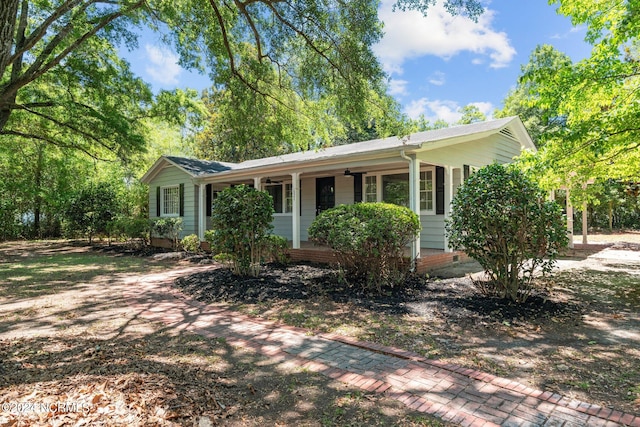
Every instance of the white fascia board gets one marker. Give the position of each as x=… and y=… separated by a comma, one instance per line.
x=158, y=166
x=313, y=165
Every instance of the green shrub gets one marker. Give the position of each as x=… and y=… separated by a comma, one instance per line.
x=240, y=221
x=130, y=229
x=91, y=209
x=276, y=249
x=501, y=219
x=169, y=228
x=368, y=240
x=190, y=243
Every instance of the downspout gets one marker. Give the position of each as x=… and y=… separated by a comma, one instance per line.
x=413, y=204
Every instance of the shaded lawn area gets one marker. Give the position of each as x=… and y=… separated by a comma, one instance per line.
x=581, y=340
x=67, y=335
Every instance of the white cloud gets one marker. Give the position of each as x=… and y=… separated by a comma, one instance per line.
x=163, y=65
x=411, y=35
x=442, y=109
x=437, y=78
x=397, y=87
x=485, y=108
x=567, y=34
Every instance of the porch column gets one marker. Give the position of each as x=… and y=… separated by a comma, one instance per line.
x=257, y=183
x=569, y=218
x=448, y=197
x=295, y=211
x=414, y=200
x=202, y=219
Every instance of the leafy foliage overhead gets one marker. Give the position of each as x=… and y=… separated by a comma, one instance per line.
x=61, y=81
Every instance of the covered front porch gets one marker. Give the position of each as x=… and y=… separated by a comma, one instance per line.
x=424, y=187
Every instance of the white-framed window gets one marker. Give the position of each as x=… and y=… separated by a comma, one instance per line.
x=427, y=190
x=170, y=201
x=371, y=188
x=288, y=198
x=282, y=195
x=394, y=188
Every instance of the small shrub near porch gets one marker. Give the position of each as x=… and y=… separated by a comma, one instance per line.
x=501, y=219
x=368, y=240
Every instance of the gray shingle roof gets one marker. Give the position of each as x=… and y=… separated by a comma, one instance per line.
x=198, y=167
x=411, y=141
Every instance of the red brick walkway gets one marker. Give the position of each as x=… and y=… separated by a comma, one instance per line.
x=453, y=393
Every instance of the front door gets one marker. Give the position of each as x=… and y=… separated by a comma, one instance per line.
x=325, y=194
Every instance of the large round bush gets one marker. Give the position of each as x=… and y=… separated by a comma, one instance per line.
x=502, y=219
x=369, y=240
x=240, y=221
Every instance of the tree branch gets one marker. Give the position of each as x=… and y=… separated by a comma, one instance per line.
x=38, y=33
x=247, y=16
x=70, y=127
x=53, y=142
x=37, y=69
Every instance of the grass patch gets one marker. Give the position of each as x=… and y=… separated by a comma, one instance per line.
x=36, y=273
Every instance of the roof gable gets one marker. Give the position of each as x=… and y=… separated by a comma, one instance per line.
x=193, y=167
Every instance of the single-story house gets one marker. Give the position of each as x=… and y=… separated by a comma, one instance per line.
x=421, y=171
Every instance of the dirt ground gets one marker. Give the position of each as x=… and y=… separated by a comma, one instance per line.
x=73, y=353
x=581, y=339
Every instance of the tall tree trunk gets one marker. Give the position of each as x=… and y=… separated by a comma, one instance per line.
x=610, y=216
x=37, y=200
x=8, y=18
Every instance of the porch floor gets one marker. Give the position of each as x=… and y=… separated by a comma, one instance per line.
x=429, y=258
x=305, y=244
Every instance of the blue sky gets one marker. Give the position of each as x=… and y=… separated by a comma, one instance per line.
x=436, y=64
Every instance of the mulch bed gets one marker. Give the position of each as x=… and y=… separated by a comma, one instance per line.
x=457, y=298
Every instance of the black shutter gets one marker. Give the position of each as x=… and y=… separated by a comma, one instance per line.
x=466, y=172
x=158, y=201
x=357, y=187
x=439, y=190
x=181, y=199
x=208, y=199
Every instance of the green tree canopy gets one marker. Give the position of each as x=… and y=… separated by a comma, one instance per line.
x=598, y=98
x=471, y=114
x=541, y=120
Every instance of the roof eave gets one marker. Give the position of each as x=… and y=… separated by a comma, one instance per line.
x=309, y=163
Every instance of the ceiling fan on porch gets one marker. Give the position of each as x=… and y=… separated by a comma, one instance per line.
x=347, y=172
x=270, y=181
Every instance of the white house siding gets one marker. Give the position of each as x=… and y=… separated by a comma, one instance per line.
x=282, y=226
x=308, y=213
x=432, y=233
x=344, y=190
x=171, y=175
x=476, y=153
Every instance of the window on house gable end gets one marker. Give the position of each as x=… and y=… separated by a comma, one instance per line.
x=170, y=201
